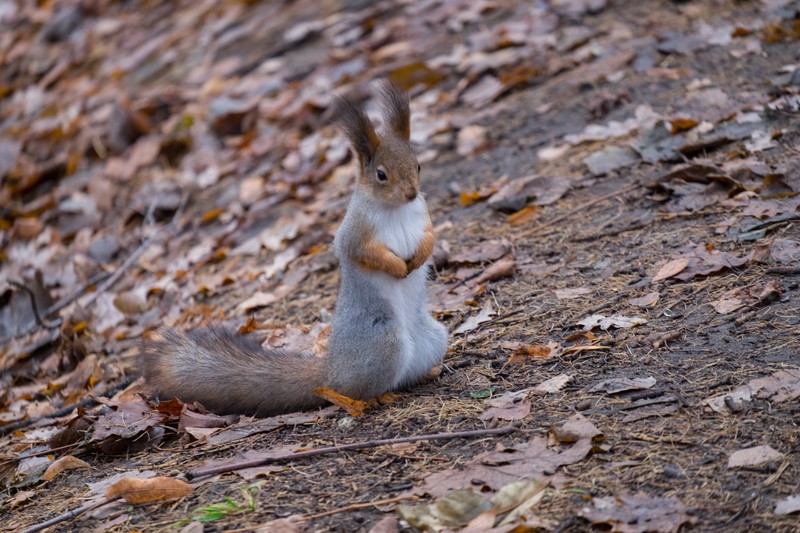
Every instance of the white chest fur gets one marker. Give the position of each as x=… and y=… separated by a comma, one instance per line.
x=402, y=228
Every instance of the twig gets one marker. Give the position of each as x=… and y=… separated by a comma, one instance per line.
x=86, y=402
x=232, y=467
x=39, y=320
x=355, y=506
x=580, y=208
x=131, y=259
x=69, y=515
x=784, y=271
x=344, y=509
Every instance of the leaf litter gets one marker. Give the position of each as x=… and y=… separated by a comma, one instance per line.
x=100, y=151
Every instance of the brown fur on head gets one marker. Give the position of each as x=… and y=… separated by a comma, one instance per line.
x=388, y=169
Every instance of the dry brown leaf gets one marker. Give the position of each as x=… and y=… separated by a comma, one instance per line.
x=648, y=300
x=469, y=198
x=637, y=513
x=353, y=407
x=156, y=489
x=67, y=462
x=483, y=251
x=499, y=269
x=523, y=216
x=525, y=353
x=577, y=427
x=671, y=268
x=678, y=125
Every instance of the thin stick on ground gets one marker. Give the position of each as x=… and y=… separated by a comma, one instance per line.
x=352, y=507
x=134, y=257
x=232, y=467
x=578, y=209
x=69, y=515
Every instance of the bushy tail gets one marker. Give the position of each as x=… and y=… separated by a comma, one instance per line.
x=230, y=373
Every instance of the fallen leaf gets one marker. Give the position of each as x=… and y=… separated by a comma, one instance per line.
x=605, y=322
x=155, y=489
x=615, y=386
x=754, y=457
x=531, y=460
x=20, y=497
x=637, y=513
x=540, y=190
x=782, y=386
x=67, y=462
x=751, y=295
x=648, y=300
x=719, y=402
x=671, y=268
x=502, y=268
x=552, y=385
x=680, y=124
x=464, y=508
x=569, y=294
x=788, y=505
x=471, y=139
x=516, y=411
x=484, y=251
x=609, y=159
x=524, y=353
x=577, y=427
x=474, y=321
x=523, y=216
x=468, y=198
x=727, y=305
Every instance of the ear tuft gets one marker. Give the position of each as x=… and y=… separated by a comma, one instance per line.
x=357, y=127
x=396, y=112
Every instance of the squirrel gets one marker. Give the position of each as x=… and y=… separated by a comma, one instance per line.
x=383, y=337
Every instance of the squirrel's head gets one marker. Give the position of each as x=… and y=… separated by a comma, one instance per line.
x=388, y=169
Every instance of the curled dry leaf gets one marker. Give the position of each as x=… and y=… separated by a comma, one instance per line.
x=155, y=489
x=67, y=462
x=499, y=269
x=534, y=353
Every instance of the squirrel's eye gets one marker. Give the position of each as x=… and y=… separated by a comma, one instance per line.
x=382, y=176
x=419, y=168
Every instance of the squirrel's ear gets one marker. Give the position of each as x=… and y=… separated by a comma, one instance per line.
x=356, y=126
x=395, y=109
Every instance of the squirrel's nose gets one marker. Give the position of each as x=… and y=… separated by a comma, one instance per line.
x=411, y=195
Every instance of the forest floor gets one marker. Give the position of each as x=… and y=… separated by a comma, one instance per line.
x=614, y=188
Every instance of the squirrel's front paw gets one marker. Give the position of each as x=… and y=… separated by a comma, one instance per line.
x=397, y=268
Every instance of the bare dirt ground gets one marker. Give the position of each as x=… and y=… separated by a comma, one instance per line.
x=614, y=190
